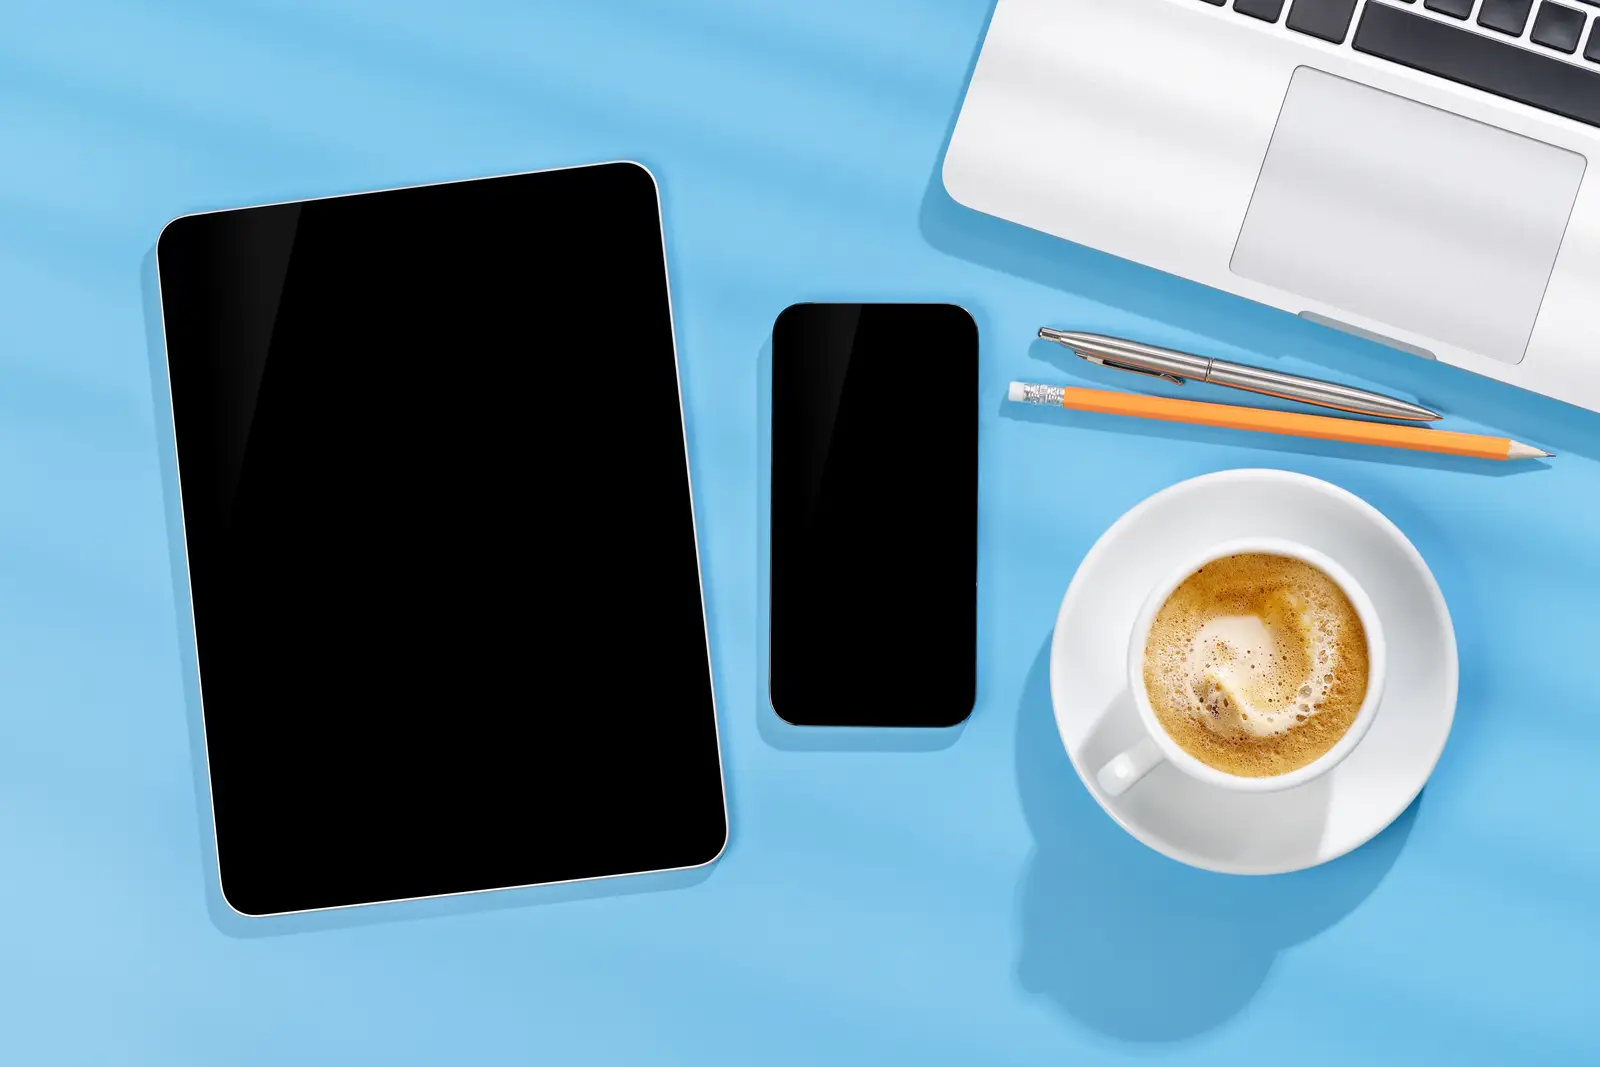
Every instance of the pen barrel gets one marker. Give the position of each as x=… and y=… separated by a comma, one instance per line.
x=1149, y=359
x=1310, y=391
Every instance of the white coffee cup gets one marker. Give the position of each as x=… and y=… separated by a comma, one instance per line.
x=1124, y=770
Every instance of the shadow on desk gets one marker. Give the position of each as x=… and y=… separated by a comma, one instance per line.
x=1137, y=946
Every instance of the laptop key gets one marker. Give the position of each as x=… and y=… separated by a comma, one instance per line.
x=1267, y=10
x=1591, y=51
x=1459, y=9
x=1328, y=19
x=1482, y=62
x=1558, y=27
x=1507, y=16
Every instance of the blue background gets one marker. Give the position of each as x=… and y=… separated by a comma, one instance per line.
x=886, y=897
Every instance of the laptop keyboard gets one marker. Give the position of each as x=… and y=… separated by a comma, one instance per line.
x=1523, y=50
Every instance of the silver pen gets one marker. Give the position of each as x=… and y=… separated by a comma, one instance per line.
x=1180, y=366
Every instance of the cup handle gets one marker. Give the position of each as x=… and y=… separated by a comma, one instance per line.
x=1123, y=770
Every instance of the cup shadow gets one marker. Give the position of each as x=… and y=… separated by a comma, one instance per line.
x=1136, y=946
x=1220, y=323
x=222, y=915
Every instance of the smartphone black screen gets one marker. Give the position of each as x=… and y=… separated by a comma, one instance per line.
x=874, y=514
x=446, y=597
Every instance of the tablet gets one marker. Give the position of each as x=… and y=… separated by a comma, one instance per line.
x=447, y=603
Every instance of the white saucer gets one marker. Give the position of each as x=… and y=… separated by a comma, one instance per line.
x=1266, y=833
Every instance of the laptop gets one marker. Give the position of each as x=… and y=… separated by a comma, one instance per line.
x=1412, y=171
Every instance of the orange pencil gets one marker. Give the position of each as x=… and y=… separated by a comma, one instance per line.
x=1292, y=423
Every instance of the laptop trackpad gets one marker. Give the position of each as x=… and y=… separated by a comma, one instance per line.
x=1408, y=214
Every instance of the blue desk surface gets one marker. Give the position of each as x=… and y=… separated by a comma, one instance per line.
x=886, y=897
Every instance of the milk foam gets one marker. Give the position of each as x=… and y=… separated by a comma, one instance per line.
x=1251, y=676
x=1256, y=663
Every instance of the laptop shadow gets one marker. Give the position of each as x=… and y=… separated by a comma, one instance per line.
x=1136, y=946
x=1219, y=323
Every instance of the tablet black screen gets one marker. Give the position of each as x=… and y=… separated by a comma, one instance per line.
x=440, y=541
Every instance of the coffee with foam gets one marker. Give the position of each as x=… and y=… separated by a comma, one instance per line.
x=1256, y=664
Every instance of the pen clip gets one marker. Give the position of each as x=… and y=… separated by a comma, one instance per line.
x=1113, y=364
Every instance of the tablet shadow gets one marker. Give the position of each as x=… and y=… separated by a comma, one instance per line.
x=1139, y=947
x=222, y=915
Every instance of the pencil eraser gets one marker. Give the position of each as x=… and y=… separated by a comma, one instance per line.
x=1018, y=393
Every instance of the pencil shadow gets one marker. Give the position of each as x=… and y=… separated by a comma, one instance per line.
x=775, y=730
x=1184, y=313
x=1089, y=374
x=1136, y=946
x=222, y=915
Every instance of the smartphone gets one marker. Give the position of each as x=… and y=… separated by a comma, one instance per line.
x=874, y=515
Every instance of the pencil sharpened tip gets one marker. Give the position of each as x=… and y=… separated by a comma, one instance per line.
x=1518, y=450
